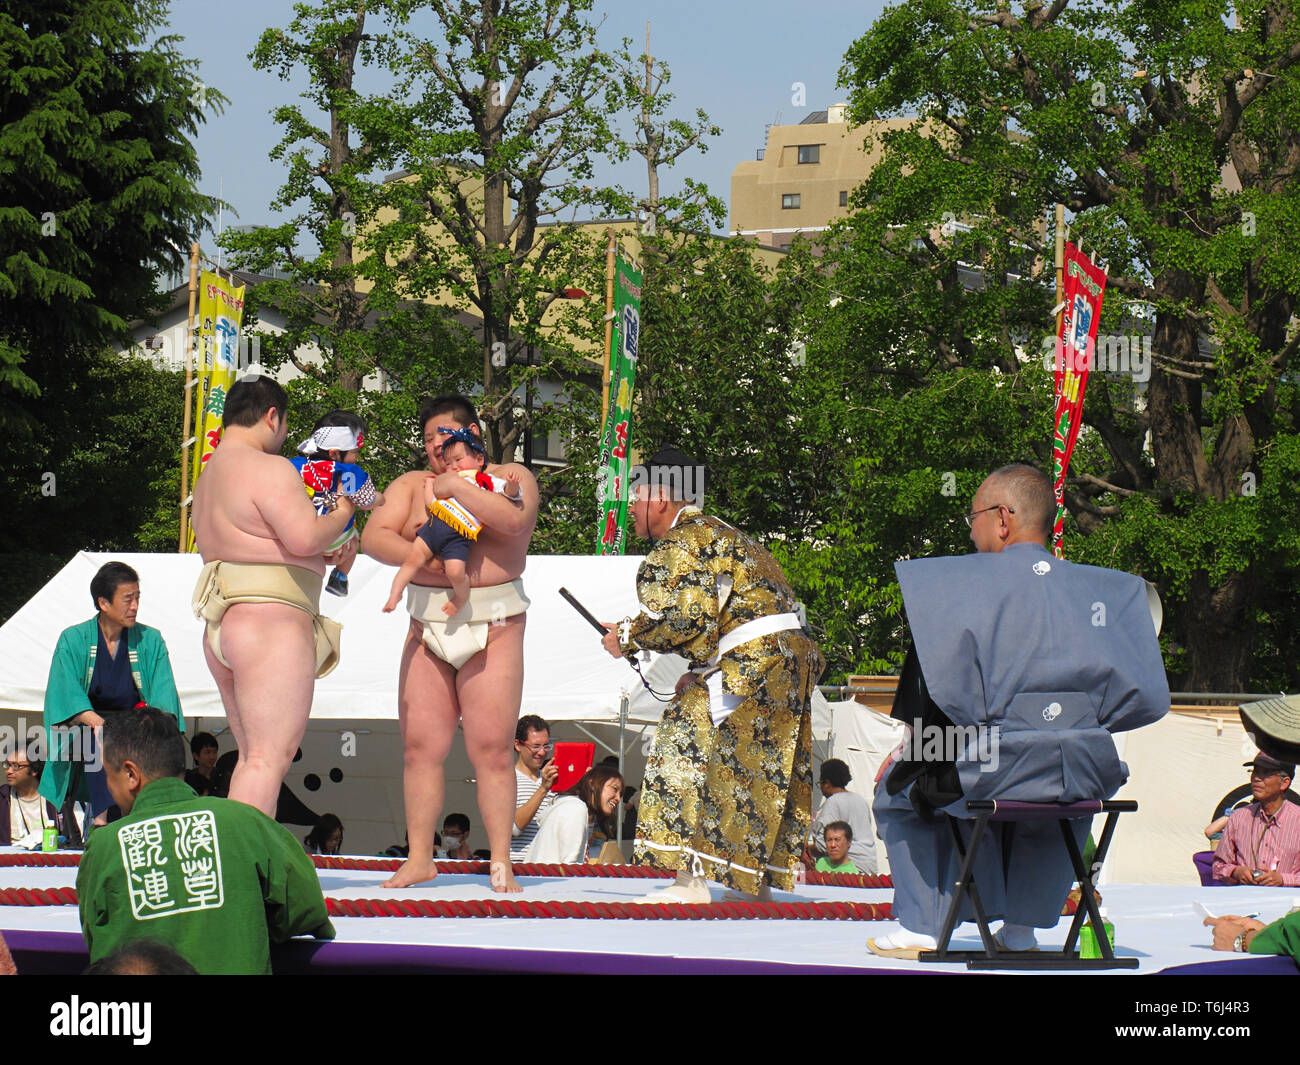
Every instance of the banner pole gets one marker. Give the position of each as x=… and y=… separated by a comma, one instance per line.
x=184, y=537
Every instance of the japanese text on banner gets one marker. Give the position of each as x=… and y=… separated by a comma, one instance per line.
x=221, y=310
x=612, y=472
x=1075, y=351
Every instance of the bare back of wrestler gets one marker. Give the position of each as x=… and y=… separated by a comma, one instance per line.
x=483, y=696
x=249, y=506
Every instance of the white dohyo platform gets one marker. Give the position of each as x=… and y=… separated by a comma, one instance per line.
x=1160, y=925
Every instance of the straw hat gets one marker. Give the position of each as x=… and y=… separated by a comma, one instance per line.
x=1274, y=726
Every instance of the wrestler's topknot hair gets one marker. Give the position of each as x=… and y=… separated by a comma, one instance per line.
x=250, y=398
x=459, y=407
x=149, y=738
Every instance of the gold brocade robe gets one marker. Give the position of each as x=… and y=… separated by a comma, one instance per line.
x=732, y=801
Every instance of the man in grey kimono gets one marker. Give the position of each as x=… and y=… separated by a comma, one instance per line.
x=1020, y=668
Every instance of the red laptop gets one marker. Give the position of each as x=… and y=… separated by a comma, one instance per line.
x=573, y=760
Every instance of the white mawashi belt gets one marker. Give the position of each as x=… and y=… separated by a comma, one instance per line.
x=752, y=630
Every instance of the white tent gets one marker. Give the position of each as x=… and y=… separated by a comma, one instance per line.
x=861, y=738
x=1179, y=768
x=353, y=735
x=568, y=677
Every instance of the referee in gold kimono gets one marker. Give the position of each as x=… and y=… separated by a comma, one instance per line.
x=728, y=787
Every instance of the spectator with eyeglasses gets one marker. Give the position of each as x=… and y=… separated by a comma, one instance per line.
x=24, y=814
x=1261, y=841
x=535, y=772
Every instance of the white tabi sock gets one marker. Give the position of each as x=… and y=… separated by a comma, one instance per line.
x=905, y=940
x=1016, y=936
x=686, y=888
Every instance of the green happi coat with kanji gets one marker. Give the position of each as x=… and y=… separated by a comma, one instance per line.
x=214, y=879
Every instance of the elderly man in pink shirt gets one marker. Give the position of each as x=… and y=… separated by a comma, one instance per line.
x=1261, y=842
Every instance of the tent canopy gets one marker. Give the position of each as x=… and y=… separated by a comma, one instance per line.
x=567, y=675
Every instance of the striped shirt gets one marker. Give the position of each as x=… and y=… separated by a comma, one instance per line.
x=525, y=788
x=1257, y=841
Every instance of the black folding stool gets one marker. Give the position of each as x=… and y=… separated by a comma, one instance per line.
x=995, y=957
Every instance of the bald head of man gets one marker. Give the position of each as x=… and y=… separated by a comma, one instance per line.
x=1014, y=505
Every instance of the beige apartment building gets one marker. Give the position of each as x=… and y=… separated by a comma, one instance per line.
x=803, y=177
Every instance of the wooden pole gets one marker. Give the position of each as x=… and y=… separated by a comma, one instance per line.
x=609, y=326
x=190, y=382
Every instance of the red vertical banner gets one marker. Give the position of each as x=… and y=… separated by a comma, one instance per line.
x=1076, y=348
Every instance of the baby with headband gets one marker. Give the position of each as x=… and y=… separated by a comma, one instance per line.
x=327, y=461
x=451, y=525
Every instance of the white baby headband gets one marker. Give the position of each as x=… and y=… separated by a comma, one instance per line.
x=332, y=437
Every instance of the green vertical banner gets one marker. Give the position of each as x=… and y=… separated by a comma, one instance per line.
x=616, y=433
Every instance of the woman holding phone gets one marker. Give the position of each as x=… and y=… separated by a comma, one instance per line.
x=566, y=829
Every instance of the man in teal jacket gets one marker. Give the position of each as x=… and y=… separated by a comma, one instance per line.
x=214, y=879
x=101, y=666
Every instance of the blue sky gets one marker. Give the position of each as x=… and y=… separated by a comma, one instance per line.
x=737, y=59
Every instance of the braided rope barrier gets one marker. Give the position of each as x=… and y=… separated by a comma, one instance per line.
x=40, y=858
x=61, y=896
x=854, y=880
x=479, y=868
x=667, y=911
x=664, y=911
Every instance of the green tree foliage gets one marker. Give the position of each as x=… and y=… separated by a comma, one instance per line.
x=905, y=468
x=332, y=296
x=97, y=196
x=661, y=139
x=488, y=111
x=719, y=375
x=104, y=472
x=507, y=122
x=97, y=180
x=1172, y=137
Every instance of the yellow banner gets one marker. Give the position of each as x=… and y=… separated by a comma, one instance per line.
x=221, y=309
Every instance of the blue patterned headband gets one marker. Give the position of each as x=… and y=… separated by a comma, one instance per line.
x=465, y=437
